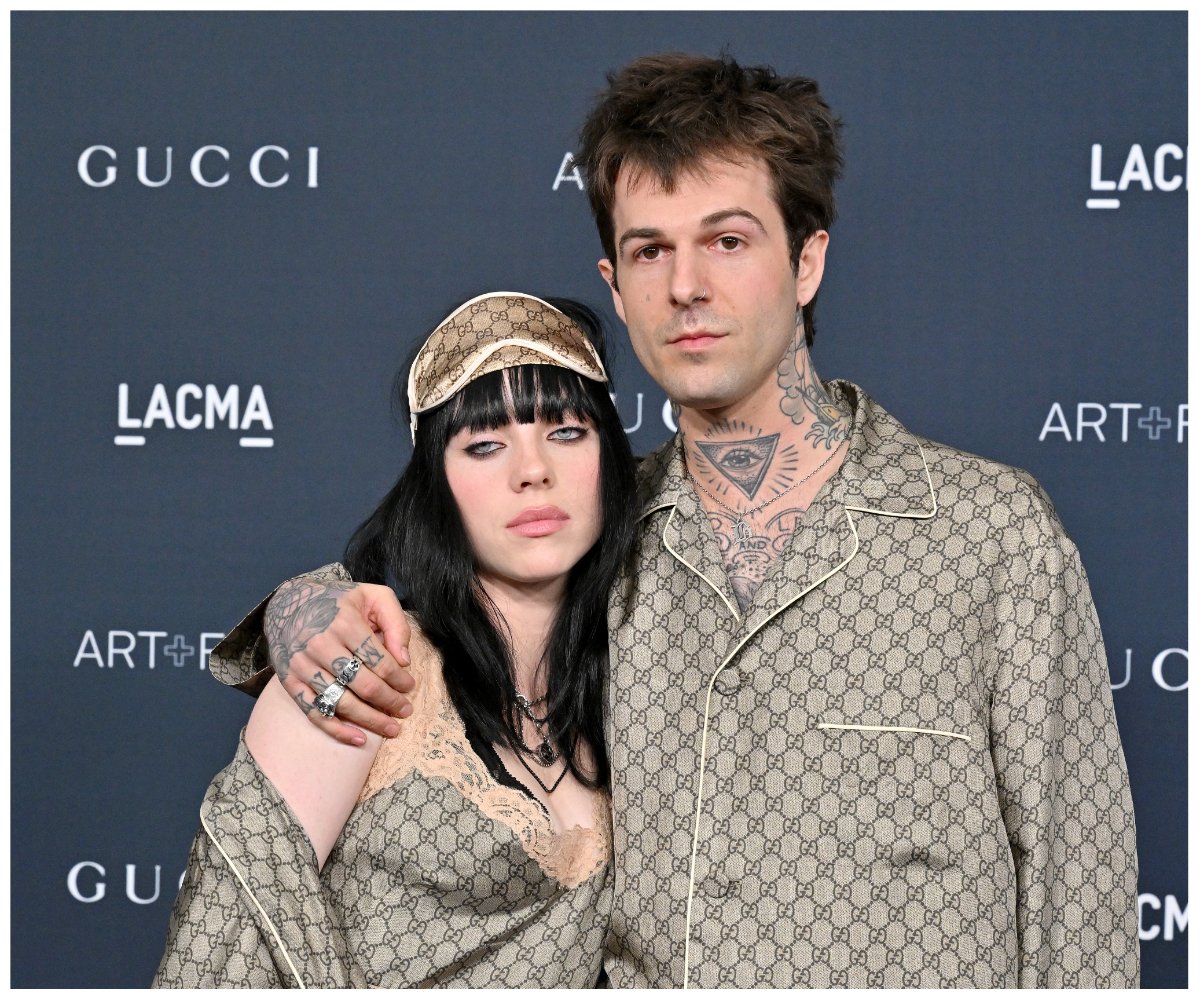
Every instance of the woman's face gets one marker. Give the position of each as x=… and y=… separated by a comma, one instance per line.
x=529, y=496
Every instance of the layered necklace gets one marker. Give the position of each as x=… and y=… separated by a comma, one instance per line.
x=544, y=753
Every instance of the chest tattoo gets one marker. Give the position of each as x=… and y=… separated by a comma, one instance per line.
x=748, y=548
x=746, y=480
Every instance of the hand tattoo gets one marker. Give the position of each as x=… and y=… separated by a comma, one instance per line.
x=305, y=706
x=301, y=609
x=805, y=401
x=368, y=653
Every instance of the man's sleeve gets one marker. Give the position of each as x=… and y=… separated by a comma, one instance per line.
x=1061, y=778
x=242, y=659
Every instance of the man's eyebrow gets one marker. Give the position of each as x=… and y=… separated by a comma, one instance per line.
x=708, y=222
x=637, y=234
x=716, y=218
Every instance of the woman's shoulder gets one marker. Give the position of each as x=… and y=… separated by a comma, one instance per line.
x=398, y=755
x=425, y=665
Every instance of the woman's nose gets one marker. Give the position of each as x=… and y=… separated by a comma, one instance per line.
x=532, y=466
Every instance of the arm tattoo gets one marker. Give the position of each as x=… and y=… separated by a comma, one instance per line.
x=368, y=653
x=805, y=401
x=300, y=610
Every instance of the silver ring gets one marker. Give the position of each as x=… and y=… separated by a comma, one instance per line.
x=347, y=668
x=326, y=702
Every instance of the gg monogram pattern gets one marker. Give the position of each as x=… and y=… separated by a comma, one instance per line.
x=901, y=766
x=442, y=877
x=475, y=339
x=911, y=772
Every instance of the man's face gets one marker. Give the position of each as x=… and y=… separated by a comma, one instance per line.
x=706, y=286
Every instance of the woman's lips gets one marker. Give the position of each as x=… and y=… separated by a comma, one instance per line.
x=537, y=521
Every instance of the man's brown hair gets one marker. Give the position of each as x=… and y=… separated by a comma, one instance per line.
x=663, y=115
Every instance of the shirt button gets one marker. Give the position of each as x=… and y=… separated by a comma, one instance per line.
x=730, y=681
x=716, y=885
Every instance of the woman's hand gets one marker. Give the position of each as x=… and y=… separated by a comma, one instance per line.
x=315, y=627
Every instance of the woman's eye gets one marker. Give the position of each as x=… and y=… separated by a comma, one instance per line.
x=568, y=433
x=481, y=448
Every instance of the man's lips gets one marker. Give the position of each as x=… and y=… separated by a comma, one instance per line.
x=534, y=521
x=695, y=339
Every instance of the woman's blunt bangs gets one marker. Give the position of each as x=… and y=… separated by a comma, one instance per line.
x=524, y=393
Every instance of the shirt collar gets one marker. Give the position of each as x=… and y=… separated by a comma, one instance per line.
x=884, y=471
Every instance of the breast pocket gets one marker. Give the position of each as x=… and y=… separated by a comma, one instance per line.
x=894, y=796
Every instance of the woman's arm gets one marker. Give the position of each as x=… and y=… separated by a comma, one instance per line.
x=319, y=777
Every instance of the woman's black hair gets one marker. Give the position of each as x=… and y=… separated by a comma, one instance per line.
x=416, y=543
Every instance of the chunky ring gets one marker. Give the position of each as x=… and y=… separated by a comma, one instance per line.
x=326, y=702
x=347, y=668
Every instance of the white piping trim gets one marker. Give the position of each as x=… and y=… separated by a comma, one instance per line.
x=897, y=729
x=687, y=940
x=487, y=295
x=658, y=507
x=905, y=514
x=667, y=546
x=261, y=910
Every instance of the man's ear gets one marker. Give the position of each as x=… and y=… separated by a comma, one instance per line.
x=609, y=274
x=811, y=266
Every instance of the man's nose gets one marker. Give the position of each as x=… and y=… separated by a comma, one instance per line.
x=687, y=277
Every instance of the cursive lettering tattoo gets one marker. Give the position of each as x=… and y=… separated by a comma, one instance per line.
x=806, y=402
x=748, y=550
x=368, y=653
x=301, y=609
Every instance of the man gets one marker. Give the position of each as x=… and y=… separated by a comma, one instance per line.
x=860, y=724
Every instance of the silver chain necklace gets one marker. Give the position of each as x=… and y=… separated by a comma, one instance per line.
x=744, y=532
x=544, y=753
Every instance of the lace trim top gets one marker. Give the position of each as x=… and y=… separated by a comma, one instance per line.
x=434, y=742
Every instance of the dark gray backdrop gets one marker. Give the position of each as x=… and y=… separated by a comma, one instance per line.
x=970, y=288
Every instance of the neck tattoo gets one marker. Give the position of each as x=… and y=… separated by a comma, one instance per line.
x=744, y=532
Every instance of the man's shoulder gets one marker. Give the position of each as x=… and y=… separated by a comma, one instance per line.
x=1005, y=502
x=972, y=493
x=657, y=475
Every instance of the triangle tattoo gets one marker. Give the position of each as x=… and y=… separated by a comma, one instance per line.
x=743, y=463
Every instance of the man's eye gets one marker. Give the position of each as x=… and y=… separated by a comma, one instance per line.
x=648, y=253
x=730, y=242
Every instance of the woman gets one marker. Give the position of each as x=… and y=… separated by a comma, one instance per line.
x=473, y=849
